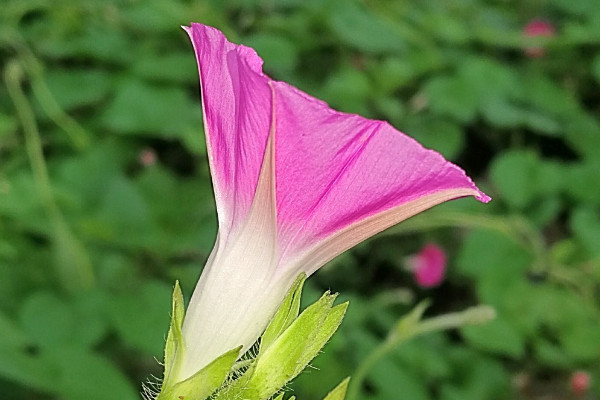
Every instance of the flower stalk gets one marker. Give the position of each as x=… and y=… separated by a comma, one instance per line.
x=412, y=326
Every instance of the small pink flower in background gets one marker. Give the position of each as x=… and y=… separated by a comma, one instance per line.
x=580, y=383
x=296, y=184
x=147, y=157
x=538, y=28
x=429, y=265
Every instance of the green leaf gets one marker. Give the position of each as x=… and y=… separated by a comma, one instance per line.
x=359, y=27
x=392, y=73
x=596, y=68
x=73, y=263
x=85, y=375
x=90, y=309
x=96, y=42
x=585, y=223
x=339, y=392
x=548, y=97
x=12, y=336
x=487, y=79
x=447, y=28
x=154, y=16
x=582, y=133
x=142, y=108
x=27, y=370
x=287, y=313
x=497, y=336
x=182, y=229
x=390, y=378
x=515, y=174
x=176, y=67
x=141, y=315
x=542, y=123
x=484, y=255
x=391, y=108
x=348, y=90
x=439, y=134
x=278, y=52
x=48, y=321
x=78, y=87
x=502, y=112
x=452, y=97
x=174, y=346
x=124, y=215
x=8, y=124
x=551, y=354
x=578, y=178
x=581, y=340
x=204, y=382
x=552, y=177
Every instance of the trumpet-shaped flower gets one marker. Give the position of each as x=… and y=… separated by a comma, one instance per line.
x=296, y=183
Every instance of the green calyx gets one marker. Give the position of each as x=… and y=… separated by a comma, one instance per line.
x=204, y=382
x=291, y=340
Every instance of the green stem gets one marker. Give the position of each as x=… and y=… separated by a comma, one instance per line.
x=33, y=144
x=392, y=297
x=403, y=333
x=74, y=265
x=78, y=135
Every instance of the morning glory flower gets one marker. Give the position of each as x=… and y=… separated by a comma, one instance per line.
x=428, y=266
x=538, y=28
x=295, y=183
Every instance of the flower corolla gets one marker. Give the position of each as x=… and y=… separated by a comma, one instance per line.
x=295, y=183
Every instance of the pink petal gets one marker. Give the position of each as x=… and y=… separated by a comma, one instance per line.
x=336, y=170
x=539, y=27
x=339, y=178
x=236, y=100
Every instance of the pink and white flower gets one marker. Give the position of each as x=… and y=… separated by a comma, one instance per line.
x=296, y=183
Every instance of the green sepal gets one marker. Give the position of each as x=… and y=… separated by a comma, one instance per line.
x=174, y=346
x=286, y=314
x=339, y=392
x=289, y=343
x=407, y=324
x=295, y=348
x=204, y=382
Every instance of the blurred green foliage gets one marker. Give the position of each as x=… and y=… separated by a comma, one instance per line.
x=105, y=195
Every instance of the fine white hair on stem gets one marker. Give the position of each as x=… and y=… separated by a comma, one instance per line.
x=151, y=388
